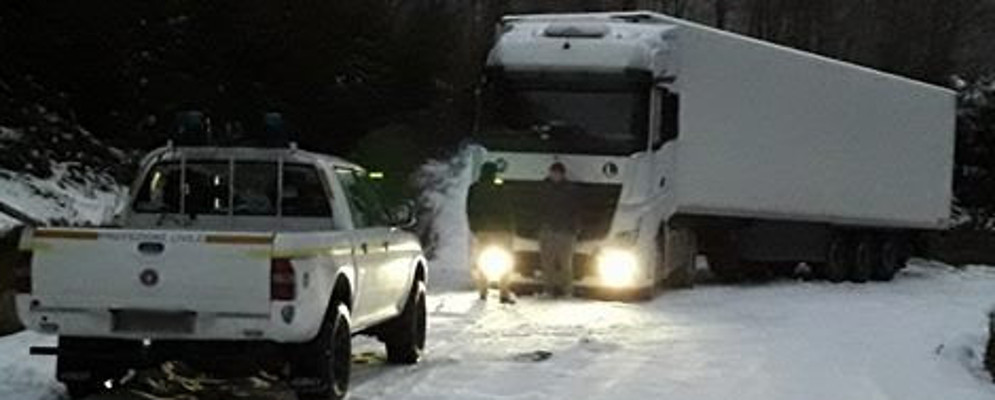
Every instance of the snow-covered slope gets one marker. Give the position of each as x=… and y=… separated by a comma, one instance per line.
x=51, y=168
x=89, y=199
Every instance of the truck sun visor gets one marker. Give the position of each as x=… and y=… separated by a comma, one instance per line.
x=574, y=30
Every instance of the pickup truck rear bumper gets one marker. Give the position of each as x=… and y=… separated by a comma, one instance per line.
x=224, y=356
x=285, y=323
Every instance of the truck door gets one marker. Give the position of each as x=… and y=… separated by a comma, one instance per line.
x=664, y=130
x=396, y=271
x=371, y=235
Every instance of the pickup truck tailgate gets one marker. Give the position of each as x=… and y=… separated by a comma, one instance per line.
x=152, y=270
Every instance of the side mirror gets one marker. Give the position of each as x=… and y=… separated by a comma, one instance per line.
x=404, y=215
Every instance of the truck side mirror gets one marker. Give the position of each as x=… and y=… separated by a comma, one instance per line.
x=403, y=215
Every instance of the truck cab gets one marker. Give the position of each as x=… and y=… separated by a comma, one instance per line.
x=596, y=96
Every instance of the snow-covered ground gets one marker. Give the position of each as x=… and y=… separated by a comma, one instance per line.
x=919, y=337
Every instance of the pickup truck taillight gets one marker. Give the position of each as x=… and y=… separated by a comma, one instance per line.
x=283, y=282
x=22, y=272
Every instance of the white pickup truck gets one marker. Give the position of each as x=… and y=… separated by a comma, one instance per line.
x=277, y=255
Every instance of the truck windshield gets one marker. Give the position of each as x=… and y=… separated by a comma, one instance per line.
x=242, y=189
x=563, y=118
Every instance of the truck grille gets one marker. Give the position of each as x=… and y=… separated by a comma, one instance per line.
x=596, y=205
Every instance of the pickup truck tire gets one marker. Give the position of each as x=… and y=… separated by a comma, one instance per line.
x=75, y=361
x=81, y=390
x=405, y=336
x=326, y=360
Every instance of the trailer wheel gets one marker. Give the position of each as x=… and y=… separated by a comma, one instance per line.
x=894, y=255
x=838, y=260
x=722, y=252
x=320, y=368
x=866, y=257
x=725, y=272
x=757, y=271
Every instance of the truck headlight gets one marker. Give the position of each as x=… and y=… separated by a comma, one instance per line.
x=617, y=267
x=495, y=262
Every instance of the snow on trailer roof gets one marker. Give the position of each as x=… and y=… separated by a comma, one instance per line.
x=288, y=154
x=650, y=17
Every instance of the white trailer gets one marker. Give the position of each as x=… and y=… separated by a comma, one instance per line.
x=691, y=140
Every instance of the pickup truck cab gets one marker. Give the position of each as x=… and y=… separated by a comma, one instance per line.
x=280, y=255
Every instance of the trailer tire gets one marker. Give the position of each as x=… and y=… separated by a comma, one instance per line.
x=320, y=368
x=725, y=272
x=839, y=256
x=405, y=336
x=865, y=258
x=894, y=255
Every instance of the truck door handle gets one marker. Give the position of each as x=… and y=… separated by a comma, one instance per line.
x=363, y=248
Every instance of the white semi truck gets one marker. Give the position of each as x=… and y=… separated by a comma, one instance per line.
x=683, y=140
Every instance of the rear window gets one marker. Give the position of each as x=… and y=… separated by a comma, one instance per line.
x=239, y=188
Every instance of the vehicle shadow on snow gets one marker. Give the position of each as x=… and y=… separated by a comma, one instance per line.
x=172, y=382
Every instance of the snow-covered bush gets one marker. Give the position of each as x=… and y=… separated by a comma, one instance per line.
x=444, y=229
x=50, y=167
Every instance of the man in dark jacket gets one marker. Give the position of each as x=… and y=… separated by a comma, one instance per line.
x=558, y=227
x=492, y=223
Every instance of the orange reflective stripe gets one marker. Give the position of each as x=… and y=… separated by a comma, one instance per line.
x=238, y=239
x=66, y=234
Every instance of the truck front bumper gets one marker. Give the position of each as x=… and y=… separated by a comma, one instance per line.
x=589, y=288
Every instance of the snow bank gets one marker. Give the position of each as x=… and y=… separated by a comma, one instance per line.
x=59, y=199
x=26, y=377
x=445, y=231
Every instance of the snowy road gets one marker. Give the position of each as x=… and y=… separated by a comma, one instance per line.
x=911, y=339
x=916, y=338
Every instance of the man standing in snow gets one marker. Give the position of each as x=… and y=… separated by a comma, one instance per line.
x=558, y=227
x=492, y=224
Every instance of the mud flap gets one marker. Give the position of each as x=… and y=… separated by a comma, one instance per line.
x=679, y=253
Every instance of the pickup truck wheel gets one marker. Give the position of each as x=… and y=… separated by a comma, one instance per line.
x=84, y=375
x=405, y=338
x=320, y=371
x=81, y=390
